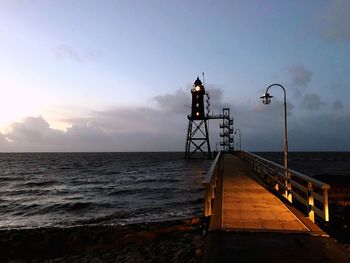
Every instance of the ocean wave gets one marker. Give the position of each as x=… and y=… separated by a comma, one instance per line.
x=158, y=180
x=141, y=189
x=44, y=189
x=186, y=202
x=72, y=207
x=104, y=219
x=41, y=183
x=10, y=178
x=21, y=209
x=24, y=192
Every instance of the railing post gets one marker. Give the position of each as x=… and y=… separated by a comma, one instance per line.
x=207, y=208
x=276, y=180
x=213, y=191
x=289, y=187
x=211, y=182
x=325, y=204
x=310, y=202
x=307, y=185
x=260, y=168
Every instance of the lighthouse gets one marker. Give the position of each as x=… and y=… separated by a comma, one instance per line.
x=197, y=141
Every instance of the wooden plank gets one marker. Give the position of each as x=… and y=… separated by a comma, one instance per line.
x=246, y=205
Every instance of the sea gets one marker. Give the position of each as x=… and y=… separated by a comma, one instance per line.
x=327, y=166
x=68, y=189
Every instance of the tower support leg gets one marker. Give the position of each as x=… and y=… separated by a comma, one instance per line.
x=197, y=141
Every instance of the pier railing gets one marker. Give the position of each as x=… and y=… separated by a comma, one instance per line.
x=311, y=193
x=210, y=183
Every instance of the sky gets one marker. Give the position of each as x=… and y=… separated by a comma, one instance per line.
x=89, y=75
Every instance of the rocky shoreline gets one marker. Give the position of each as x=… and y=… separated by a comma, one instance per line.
x=171, y=241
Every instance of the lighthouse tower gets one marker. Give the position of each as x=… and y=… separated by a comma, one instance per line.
x=197, y=142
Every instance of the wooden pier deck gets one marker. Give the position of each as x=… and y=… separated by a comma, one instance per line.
x=247, y=205
x=250, y=224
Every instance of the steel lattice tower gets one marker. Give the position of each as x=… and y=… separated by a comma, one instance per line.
x=227, y=131
x=197, y=142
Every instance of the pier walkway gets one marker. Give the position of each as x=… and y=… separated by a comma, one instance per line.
x=249, y=223
x=248, y=205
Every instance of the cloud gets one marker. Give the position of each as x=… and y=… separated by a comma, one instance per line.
x=67, y=52
x=159, y=128
x=261, y=125
x=32, y=134
x=300, y=75
x=262, y=129
x=337, y=105
x=163, y=128
x=320, y=132
x=216, y=99
x=3, y=141
x=174, y=103
x=31, y=128
x=311, y=101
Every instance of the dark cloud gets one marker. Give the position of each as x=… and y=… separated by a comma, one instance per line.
x=32, y=129
x=68, y=52
x=174, y=103
x=337, y=105
x=216, y=99
x=262, y=129
x=261, y=125
x=33, y=134
x=86, y=137
x=311, y=101
x=320, y=132
x=180, y=101
x=300, y=75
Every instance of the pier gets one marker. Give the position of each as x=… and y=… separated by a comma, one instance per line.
x=252, y=218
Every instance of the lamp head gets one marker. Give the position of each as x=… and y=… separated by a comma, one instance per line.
x=198, y=85
x=266, y=98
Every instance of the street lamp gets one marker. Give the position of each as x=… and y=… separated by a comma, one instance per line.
x=266, y=99
x=240, y=141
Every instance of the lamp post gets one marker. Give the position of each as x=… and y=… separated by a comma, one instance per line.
x=240, y=141
x=266, y=99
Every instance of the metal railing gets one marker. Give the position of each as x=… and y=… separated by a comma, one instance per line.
x=311, y=193
x=210, y=183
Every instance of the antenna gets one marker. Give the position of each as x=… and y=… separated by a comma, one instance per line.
x=203, y=79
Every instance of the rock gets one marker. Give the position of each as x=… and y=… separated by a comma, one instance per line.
x=149, y=235
x=195, y=221
x=171, y=241
x=198, y=253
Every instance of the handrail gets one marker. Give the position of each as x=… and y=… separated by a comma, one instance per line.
x=300, y=175
x=211, y=169
x=210, y=183
x=305, y=187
